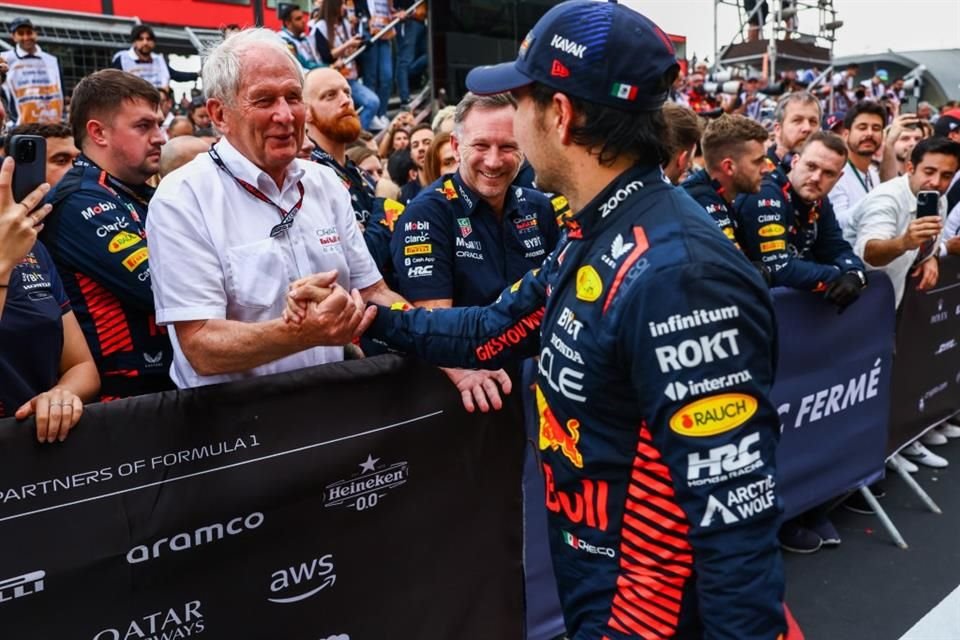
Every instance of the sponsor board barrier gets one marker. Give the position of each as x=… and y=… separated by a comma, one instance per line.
x=352, y=501
x=832, y=392
x=926, y=372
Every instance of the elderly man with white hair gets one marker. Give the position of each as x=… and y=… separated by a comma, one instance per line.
x=230, y=232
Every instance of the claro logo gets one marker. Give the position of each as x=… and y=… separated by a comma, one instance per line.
x=203, y=535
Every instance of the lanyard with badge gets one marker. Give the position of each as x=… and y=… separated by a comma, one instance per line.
x=286, y=217
x=111, y=184
x=865, y=180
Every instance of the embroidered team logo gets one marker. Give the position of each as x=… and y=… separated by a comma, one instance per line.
x=619, y=248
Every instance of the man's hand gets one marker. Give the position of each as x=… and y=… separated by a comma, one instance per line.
x=57, y=410
x=928, y=271
x=844, y=291
x=314, y=288
x=478, y=388
x=921, y=230
x=331, y=316
x=900, y=124
x=953, y=246
x=19, y=223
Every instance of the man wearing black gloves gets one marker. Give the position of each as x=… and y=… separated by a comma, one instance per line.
x=790, y=227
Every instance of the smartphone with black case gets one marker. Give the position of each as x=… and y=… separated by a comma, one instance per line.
x=30, y=154
x=928, y=204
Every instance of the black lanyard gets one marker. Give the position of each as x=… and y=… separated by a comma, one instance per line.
x=286, y=217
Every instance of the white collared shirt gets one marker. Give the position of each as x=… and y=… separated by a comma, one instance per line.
x=885, y=214
x=34, y=82
x=212, y=256
x=155, y=71
x=851, y=188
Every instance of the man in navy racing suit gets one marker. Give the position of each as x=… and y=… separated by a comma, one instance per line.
x=656, y=343
x=790, y=227
x=96, y=232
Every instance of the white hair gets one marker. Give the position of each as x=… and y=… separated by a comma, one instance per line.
x=221, y=64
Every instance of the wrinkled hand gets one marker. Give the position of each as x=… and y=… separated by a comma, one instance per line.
x=57, y=411
x=928, y=271
x=844, y=291
x=478, y=388
x=327, y=316
x=313, y=288
x=18, y=226
x=921, y=230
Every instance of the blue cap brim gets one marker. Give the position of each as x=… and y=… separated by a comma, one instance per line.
x=497, y=78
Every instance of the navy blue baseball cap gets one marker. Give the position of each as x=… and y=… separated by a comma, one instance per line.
x=601, y=52
x=16, y=23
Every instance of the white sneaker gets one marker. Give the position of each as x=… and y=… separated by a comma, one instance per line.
x=933, y=438
x=905, y=464
x=379, y=123
x=949, y=430
x=921, y=455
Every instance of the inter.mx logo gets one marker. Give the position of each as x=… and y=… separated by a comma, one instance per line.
x=21, y=586
x=365, y=490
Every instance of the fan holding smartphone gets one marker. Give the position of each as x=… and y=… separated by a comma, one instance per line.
x=897, y=227
x=46, y=368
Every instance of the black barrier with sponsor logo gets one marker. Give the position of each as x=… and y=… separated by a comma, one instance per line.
x=353, y=501
x=926, y=369
x=832, y=392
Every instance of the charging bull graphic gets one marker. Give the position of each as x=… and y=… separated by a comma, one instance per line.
x=554, y=436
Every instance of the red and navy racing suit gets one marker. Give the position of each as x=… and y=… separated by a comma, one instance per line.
x=96, y=237
x=656, y=340
x=800, y=242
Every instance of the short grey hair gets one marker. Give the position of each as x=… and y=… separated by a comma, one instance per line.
x=472, y=101
x=800, y=97
x=221, y=64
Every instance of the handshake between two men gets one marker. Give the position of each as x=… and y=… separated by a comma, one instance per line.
x=326, y=313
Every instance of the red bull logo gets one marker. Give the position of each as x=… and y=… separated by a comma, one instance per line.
x=392, y=210
x=449, y=190
x=587, y=507
x=554, y=436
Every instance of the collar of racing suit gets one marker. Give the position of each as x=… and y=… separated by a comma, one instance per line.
x=597, y=215
x=470, y=199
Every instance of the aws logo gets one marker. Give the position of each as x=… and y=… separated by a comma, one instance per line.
x=713, y=415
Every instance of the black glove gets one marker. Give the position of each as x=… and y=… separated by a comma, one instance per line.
x=764, y=272
x=845, y=290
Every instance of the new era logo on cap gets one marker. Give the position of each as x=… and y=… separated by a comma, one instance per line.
x=558, y=70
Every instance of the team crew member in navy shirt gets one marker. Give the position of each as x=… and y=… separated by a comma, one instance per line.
x=735, y=163
x=789, y=225
x=471, y=233
x=45, y=366
x=96, y=233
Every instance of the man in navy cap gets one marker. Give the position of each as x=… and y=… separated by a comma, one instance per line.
x=33, y=77
x=655, y=339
